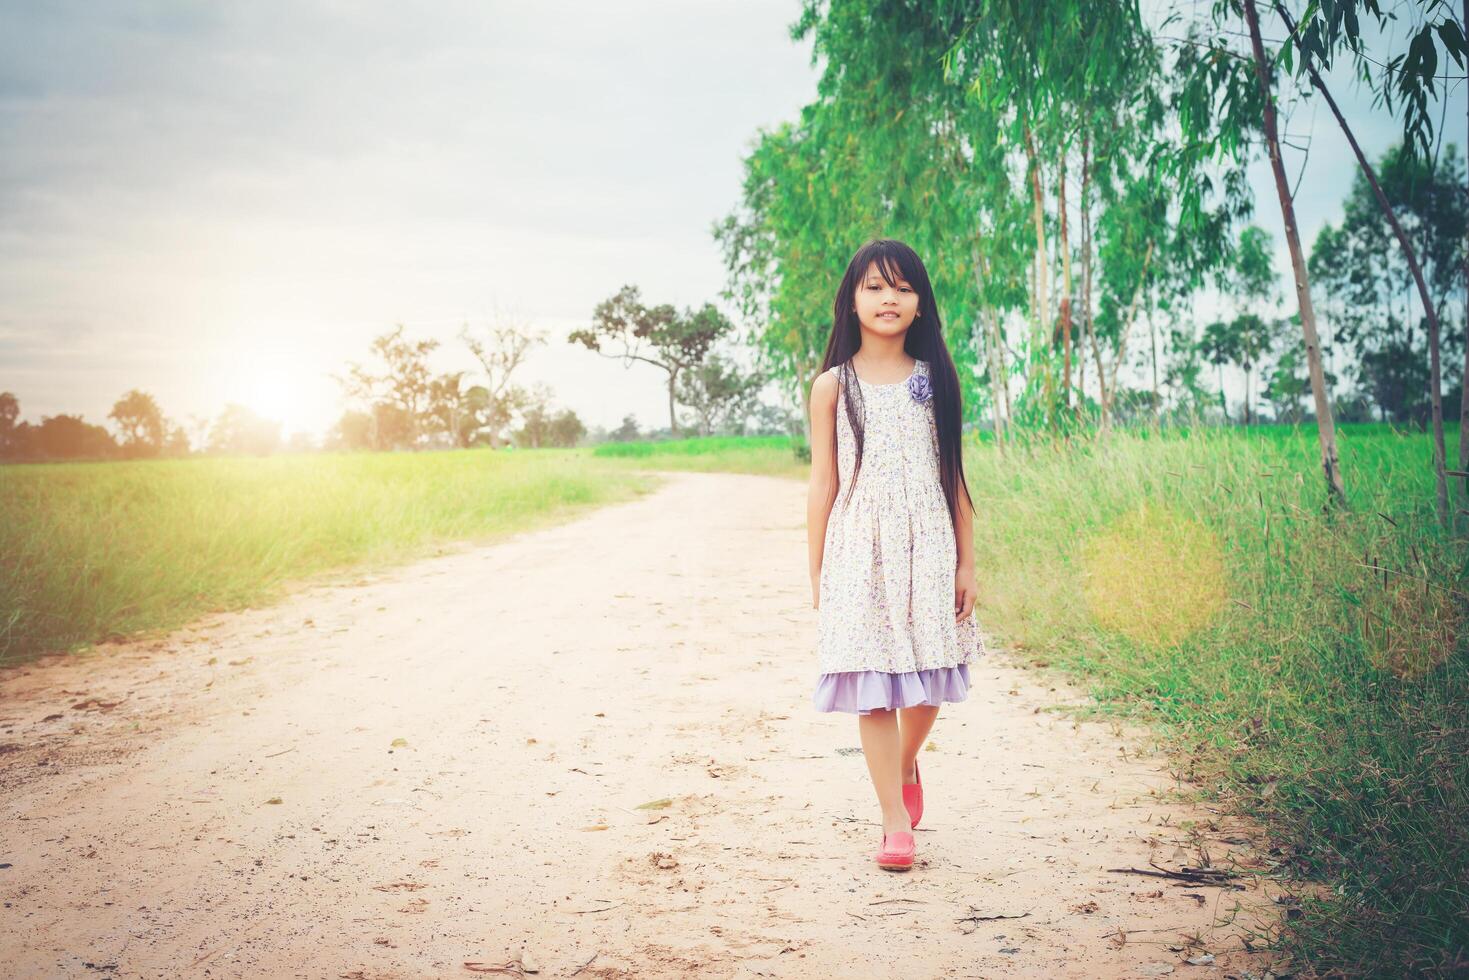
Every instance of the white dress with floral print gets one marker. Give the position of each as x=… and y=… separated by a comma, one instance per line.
x=886, y=596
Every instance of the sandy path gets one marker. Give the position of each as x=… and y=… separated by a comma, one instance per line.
x=241, y=809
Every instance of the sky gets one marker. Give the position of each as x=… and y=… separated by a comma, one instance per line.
x=227, y=202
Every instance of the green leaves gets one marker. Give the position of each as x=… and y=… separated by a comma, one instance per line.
x=1452, y=36
x=1406, y=80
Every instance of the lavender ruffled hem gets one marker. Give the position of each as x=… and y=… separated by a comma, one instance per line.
x=863, y=691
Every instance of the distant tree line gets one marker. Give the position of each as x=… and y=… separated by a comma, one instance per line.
x=142, y=432
x=396, y=401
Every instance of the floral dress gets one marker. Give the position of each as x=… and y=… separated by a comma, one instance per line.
x=886, y=634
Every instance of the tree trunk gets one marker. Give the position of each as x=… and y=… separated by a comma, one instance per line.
x=1101, y=381
x=1042, y=299
x=805, y=378
x=1325, y=429
x=997, y=332
x=1430, y=311
x=672, y=418
x=994, y=350
x=1066, y=290
x=1125, y=327
x=1464, y=386
x=1153, y=339
x=1086, y=265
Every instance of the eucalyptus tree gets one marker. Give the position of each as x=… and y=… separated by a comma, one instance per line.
x=805, y=202
x=889, y=148
x=1224, y=96
x=955, y=124
x=1060, y=80
x=1131, y=231
x=1412, y=77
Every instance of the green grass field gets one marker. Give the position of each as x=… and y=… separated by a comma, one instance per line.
x=1305, y=665
x=769, y=455
x=95, y=550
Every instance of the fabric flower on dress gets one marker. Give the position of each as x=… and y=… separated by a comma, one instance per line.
x=919, y=388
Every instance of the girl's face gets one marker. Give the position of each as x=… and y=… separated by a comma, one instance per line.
x=883, y=308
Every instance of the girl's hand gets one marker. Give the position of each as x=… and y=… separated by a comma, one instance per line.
x=965, y=593
x=815, y=593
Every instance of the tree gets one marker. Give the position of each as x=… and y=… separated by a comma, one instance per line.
x=397, y=399
x=238, y=431
x=1374, y=301
x=142, y=423
x=542, y=427
x=9, y=413
x=1330, y=462
x=506, y=346
x=627, y=431
x=1249, y=280
x=659, y=335
x=460, y=414
x=1415, y=81
x=353, y=430
x=566, y=428
x=1408, y=78
x=802, y=211
x=1181, y=374
x=66, y=437
x=177, y=444
x=1286, y=385
x=1222, y=98
x=718, y=393
x=1218, y=346
x=1131, y=232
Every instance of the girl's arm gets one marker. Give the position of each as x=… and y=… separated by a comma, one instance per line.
x=822, y=491
x=966, y=592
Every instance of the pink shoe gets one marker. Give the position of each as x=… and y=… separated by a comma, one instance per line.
x=913, y=796
x=897, y=852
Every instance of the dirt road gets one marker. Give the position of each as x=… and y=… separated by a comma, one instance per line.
x=443, y=765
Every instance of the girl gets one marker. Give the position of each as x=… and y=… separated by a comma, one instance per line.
x=892, y=567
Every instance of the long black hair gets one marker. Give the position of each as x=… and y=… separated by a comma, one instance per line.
x=923, y=341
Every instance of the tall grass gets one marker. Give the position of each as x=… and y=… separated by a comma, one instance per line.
x=1322, y=684
x=93, y=550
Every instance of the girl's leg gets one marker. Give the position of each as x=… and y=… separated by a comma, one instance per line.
x=880, y=745
x=914, y=724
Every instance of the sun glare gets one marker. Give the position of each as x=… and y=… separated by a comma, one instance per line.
x=272, y=395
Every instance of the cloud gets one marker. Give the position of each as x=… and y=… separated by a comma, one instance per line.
x=205, y=180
